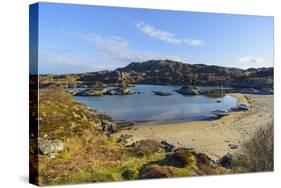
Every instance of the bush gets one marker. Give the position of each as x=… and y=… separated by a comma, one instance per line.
x=259, y=150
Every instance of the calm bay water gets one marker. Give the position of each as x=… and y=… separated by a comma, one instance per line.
x=160, y=109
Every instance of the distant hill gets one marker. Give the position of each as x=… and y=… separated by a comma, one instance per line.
x=168, y=72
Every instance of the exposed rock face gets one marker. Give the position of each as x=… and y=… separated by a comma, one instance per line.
x=47, y=147
x=109, y=127
x=156, y=171
x=167, y=72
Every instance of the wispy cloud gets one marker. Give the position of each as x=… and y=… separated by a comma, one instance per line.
x=158, y=34
x=117, y=49
x=166, y=36
x=60, y=58
x=251, y=60
x=193, y=42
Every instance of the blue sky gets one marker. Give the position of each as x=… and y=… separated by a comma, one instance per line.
x=80, y=38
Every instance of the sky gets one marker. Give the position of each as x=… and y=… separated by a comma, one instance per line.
x=86, y=38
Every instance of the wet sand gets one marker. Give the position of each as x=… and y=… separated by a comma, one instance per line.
x=212, y=137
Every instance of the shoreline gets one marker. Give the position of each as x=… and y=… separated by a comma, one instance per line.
x=213, y=137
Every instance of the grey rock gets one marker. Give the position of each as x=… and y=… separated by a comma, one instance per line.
x=166, y=146
x=47, y=147
x=109, y=127
x=188, y=90
x=89, y=92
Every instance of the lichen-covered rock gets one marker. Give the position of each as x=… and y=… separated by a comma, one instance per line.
x=156, y=171
x=145, y=147
x=47, y=147
x=109, y=127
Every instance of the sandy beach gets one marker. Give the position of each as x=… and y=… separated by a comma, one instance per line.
x=212, y=137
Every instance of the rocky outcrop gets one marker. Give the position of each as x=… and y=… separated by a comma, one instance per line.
x=89, y=92
x=47, y=147
x=188, y=90
x=109, y=127
x=167, y=72
x=118, y=91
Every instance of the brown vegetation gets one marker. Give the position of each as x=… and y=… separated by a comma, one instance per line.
x=259, y=150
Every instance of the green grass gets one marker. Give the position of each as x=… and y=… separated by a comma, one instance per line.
x=89, y=155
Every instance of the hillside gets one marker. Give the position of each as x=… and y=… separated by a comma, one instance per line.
x=167, y=72
x=75, y=147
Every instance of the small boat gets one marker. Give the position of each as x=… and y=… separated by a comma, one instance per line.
x=243, y=106
x=221, y=112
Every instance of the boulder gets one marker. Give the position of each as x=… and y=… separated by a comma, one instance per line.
x=226, y=161
x=162, y=93
x=145, y=147
x=47, y=147
x=109, y=127
x=180, y=159
x=166, y=146
x=188, y=90
x=232, y=160
x=156, y=171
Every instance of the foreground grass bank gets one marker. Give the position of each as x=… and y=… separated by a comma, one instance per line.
x=91, y=154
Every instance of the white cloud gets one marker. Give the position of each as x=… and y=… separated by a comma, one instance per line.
x=166, y=36
x=118, y=49
x=251, y=60
x=159, y=34
x=193, y=42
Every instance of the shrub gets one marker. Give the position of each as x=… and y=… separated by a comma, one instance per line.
x=259, y=150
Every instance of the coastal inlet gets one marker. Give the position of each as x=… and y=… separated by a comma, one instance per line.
x=146, y=106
